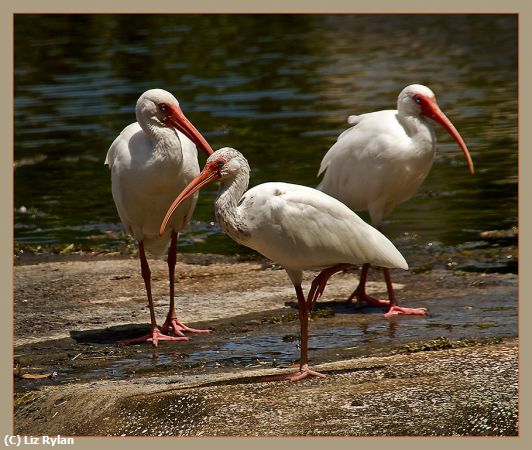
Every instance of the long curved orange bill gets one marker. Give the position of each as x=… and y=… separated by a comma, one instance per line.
x=209, y=174
x=177, y=119
x=434, y=112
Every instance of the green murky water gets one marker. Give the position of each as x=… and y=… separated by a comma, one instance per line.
x=278, y=88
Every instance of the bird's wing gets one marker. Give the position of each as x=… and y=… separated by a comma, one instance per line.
x=301, y=227
x=354, y=119
x=340, y=144
x=364, y=168
x=119, y=147
x=366, y=128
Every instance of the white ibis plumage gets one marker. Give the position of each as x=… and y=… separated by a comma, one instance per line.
x=381, y=161
x=151, y=161
x=298, y=227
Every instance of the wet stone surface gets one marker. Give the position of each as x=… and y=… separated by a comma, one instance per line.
x=465, y=391
x=453, y=372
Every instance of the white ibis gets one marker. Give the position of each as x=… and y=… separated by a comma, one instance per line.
x=381, y=161
x=298, y=227
x=151, y=161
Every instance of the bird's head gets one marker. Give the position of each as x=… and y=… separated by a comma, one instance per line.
x=415, y=100
x=224, y=164
x=419, y=100
x=161, y=109
x=227, y=163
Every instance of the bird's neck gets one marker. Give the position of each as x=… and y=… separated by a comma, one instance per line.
x=419, y=129
x=166, y=143
x=226, y=205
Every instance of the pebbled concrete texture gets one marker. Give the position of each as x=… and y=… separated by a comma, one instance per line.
x=454, y=372
x=464, y=391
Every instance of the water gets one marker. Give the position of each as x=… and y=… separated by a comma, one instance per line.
x=451, y=319
x=276, y=87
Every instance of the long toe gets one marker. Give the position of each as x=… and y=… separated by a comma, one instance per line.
x=154, y=337
x=297, y=376
x=306, y=373
x=396, y=310
x=372, y=301
x=179, y=328
x=168, y=327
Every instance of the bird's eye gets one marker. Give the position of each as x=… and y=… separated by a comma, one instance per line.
x=220, y=163
x=417, y=98
x=163, y=107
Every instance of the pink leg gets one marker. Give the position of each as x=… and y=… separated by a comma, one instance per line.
x=156, y=334
x=304, y=370
x=320, y=282
x=171, y=321
x=394, y=309
x=360, y=292
x=391, y=304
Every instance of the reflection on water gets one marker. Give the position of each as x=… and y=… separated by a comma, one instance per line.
x=451, y=319
x=277, y=87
